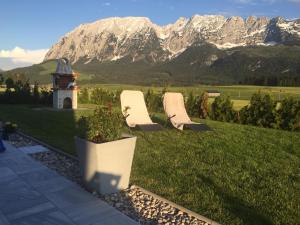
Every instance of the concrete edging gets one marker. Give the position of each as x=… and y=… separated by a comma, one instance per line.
x=185, y=210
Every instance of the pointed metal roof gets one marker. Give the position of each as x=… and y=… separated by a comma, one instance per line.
x=63, y=67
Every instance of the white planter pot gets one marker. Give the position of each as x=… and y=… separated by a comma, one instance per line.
x=106, y=167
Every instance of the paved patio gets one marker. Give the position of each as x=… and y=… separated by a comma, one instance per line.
x=32, y=194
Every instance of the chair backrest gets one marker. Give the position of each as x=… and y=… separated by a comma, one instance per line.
x=175, y=109
x=137, y=112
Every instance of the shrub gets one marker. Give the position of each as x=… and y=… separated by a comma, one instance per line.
x=23, y=94
x=10, y=128
x=116, y=97
x=288, y=114
x=260, y=111
x=103, y=126
x=9, y=83
x=84, y=97
x=36, y=93
x=100, y=96
x=46, y=97
x=222, y=109
x=192, y=105
x=203, y=105
x=153, y=101
x=1, y=79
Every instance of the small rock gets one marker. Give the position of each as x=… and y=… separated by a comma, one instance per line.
x=119, y=204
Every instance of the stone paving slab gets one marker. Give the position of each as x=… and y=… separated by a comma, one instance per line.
x=32, y=194
x=31, y=211
x=88, y=212
x=3, y=220
x=54, y=185
x=47, y=217
x=6, y=172
x=37, y=177
x=33, y=149
x=16, y=195
x=21, y=164
x=69, y=196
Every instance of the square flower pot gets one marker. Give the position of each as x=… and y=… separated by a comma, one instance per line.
x=106, y=167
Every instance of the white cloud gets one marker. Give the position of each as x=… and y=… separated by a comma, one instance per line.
x=20, y=57
x=106, y=4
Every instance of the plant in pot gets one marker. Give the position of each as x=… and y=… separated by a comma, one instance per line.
x=105, y=155
x=9, y=128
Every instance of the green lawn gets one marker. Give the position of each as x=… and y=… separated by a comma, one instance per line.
x=236, y=174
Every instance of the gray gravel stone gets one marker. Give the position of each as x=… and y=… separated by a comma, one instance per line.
x=19, y=141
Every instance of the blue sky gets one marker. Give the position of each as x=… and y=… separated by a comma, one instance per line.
x=36, y=25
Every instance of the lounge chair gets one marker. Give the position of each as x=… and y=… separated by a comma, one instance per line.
x=176, y=112
x=135, y=111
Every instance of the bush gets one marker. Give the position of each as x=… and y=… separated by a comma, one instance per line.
x=10, y=128
x=153, y=101
x=222, y=110
x=100, y=96
x=46, y=97
x=192, y=105
x=103, y=126
x=36, y=93
x=84, y=97
x=260, y=111
x=9, y=83
x=288, y=114
x=21, y=93
x=1, y=79
x=203, y=104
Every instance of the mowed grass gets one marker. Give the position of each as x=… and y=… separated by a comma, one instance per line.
x=235, y=174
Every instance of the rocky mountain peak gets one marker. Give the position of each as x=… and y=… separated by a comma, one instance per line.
x=137, y=38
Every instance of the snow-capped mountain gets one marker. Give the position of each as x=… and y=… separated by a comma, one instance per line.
x=137, y=38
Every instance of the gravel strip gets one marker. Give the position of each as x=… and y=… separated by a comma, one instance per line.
x=19, y=141
x=63, y=165
x=134, y=203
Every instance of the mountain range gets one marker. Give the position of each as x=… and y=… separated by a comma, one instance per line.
x=202, y=49
x=139, y=39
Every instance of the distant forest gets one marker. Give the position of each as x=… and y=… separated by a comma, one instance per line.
x=285, y=81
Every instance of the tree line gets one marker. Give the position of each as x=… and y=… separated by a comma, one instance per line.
x=21, y=92
x=263, y=110
x=283, y=81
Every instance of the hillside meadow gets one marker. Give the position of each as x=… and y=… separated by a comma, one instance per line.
x=234, y=174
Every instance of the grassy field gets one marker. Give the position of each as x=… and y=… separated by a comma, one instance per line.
x=234, y=174
x=242, y=92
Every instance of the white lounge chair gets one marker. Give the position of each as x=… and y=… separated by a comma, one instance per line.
x=176, y=112
x=135, y=111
